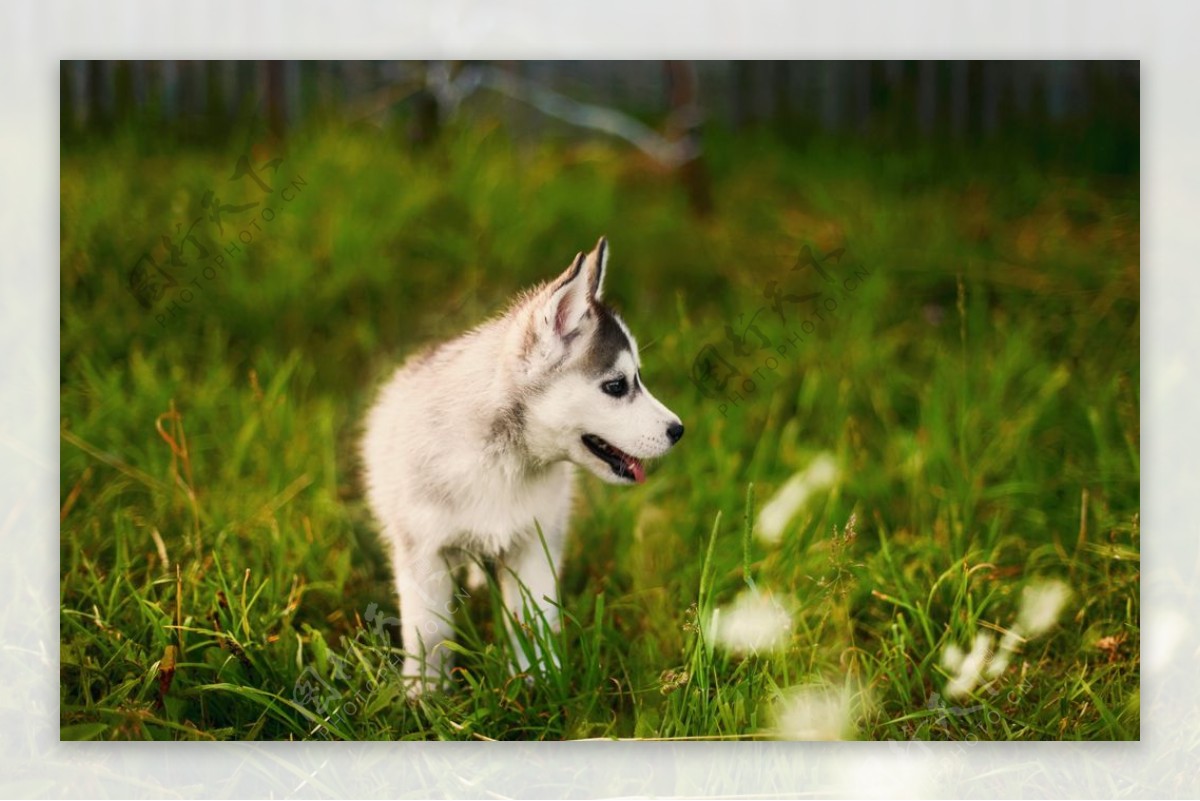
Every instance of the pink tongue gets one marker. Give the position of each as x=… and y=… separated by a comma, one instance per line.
x=635, y=467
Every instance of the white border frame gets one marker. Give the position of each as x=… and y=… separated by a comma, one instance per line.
x=34, y=36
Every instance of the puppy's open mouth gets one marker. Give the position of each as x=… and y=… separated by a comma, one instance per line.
x=621, y=463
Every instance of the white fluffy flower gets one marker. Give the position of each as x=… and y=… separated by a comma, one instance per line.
x=952, y=658
x=820, y=475
x=754, y=623
x=1010, y=643
x=1041, y=604
x=970, y=670
x=814, y=712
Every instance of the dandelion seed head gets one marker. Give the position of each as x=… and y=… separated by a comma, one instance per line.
x=821, y=474
x=1041, y=604
x=952, y=658
x=970, y=672
x=755, y=622
x=1010, y=643
x=815, y=713
x=997, y=665
x=823, y=471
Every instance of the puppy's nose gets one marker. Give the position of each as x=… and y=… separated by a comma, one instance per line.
x=674, y=432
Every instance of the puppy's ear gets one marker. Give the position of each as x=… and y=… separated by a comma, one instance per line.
x=568, y=301
x=565, y=309
x=594, y=268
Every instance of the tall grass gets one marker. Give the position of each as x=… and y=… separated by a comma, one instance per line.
x=978, y=390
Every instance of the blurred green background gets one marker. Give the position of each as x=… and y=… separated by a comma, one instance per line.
x=978, y=387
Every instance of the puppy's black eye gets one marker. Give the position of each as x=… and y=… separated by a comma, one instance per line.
x=617, y=387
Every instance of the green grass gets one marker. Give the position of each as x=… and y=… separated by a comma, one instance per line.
x=979, y=390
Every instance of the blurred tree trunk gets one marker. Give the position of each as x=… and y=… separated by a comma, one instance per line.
x=782, y=87
x=68, y=85
x=276, y=112
x=927, y=101
x=683, y=125
x=426, y=119
x=123, y=89
x=960, y=98
x=743, y=87
x=95, y=94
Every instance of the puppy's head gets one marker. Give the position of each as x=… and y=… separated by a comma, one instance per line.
x=587, y=402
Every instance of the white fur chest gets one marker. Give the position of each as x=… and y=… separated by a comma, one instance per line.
x=494, y=511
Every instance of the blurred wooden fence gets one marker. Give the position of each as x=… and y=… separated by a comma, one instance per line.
x=918, y=98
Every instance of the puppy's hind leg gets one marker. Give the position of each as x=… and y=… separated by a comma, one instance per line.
x=426, y=587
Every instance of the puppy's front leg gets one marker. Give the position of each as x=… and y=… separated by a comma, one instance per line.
x=539, y=599
x=426, y=588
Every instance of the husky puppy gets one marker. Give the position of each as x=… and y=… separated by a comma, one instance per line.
x=471, y=448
